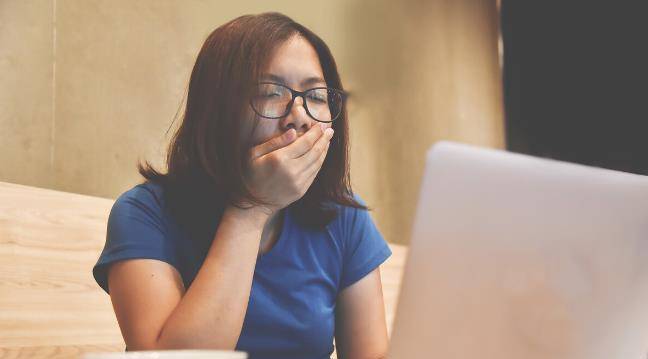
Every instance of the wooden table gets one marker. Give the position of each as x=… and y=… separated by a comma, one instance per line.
x=50, y=306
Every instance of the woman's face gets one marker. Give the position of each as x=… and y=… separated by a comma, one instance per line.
x=296, y=65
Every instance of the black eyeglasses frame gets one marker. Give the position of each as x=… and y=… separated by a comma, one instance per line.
x=302, y=94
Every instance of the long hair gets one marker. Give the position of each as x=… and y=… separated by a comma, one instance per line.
x=206, y=158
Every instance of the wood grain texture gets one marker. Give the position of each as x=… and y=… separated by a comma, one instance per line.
x=56, y=352
x=50, y=305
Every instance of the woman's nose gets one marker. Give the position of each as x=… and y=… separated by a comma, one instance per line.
x=297, y=118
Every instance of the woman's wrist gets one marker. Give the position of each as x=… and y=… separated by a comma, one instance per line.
x=256, y=216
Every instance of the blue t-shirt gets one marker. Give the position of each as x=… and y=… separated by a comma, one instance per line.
x=291, y=311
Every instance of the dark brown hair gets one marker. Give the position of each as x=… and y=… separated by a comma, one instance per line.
x=206, y=160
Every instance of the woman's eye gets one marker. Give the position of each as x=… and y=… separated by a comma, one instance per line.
x=317, y=98
x=270, y=94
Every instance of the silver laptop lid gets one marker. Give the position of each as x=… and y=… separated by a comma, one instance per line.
x=519, y=257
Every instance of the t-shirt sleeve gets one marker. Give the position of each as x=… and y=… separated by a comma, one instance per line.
x=365, y=248
x=136, y=229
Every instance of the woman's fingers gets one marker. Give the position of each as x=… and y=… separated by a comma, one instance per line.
x=311, y=156
x=313, y=168
x=304, y=144
x=273, y=144
x=283, y=175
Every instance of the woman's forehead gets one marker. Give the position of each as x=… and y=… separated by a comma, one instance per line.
x=295, y=63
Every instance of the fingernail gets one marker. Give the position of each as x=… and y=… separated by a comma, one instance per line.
x=323, y=126
x=329, y=132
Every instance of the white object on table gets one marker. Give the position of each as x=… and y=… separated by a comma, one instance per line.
x=169, y=354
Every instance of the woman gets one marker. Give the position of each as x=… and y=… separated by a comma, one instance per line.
x=253, y=240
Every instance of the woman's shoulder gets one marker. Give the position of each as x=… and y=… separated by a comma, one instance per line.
x=148, y=193
x=362, y=245
x=348, y=216
x=142, y=201
x=137, y=228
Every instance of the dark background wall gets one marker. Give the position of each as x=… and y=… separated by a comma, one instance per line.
x=575, y=81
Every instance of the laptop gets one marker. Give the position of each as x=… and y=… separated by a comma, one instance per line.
x=517, y=257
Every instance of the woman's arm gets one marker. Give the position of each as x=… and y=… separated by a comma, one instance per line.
x=151, y=305
x=360, y=328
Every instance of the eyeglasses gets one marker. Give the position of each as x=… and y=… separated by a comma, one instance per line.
x=273, y=100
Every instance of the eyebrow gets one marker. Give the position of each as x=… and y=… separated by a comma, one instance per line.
x=313, y=80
